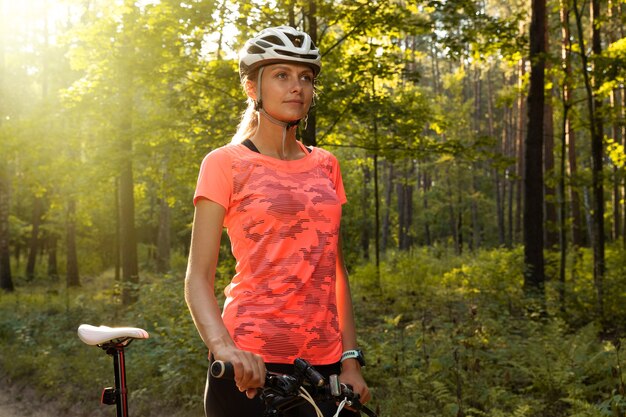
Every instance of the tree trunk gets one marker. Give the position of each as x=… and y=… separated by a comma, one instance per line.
x=613, y=12
x=597, y=152
x=365, y=212
x=401, y=196
x=551, y=237
x=499, y=150
x=477, y=229
x=6, y=279
x=478, y=131
x=426, y=184
x=562, y=204
x=565, y=133
x=52, y=242
x=595, y=124
x=130, y=267
x=222, y=24
x=33, y=246
x=510, y=181
x=617, y=196
x=377, y=213
x=388, y=184
x=118, y=232
x=164, y=244
x=570, y=134
x=519, y=153
x=309, y=135
x=619, y=17
x=500, y=191
x=405, y=205
x=623, y=134
x=459, y=221
x=72, y=278
x=534, y=278
x=452, y=214
x=291, y=13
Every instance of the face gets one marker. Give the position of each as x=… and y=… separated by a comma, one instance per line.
x=287, y=90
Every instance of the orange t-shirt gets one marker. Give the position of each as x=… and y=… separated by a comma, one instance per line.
x=283, y=220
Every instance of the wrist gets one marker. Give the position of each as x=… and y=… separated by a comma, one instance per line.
x=354, y=357
x=220, y=344
x=350, y=365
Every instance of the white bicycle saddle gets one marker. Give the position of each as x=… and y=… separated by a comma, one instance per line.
x=93, y=335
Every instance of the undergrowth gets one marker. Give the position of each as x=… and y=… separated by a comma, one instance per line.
x=453, y=336
x=444, y=335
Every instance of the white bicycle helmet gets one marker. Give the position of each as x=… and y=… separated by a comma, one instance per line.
x=279, y=44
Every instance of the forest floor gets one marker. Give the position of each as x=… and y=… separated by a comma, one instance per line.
x=19, y=400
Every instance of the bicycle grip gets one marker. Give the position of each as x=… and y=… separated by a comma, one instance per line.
x=222, y=370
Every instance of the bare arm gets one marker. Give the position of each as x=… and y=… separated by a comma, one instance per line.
x=350, y=368
x=200, y=296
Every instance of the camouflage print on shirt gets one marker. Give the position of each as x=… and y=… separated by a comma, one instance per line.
x=283, y=220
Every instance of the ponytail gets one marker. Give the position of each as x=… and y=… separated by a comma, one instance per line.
x=248, y=124
x=250, y=118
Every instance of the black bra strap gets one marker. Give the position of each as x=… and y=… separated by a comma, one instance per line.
x=250, y=145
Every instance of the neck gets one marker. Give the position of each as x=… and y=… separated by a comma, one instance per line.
x=269, y=140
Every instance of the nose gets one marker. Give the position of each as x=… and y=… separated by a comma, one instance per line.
x=296, y=86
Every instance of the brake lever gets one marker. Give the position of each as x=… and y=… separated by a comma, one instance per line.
x=340, y=391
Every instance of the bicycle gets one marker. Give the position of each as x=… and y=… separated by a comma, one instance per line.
x=280, y=392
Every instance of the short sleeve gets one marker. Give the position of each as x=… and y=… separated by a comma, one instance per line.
x=215, y=179
x=338, y=180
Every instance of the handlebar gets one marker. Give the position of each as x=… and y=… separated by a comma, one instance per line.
x=225, y=370
x=282, y=392
x=222, y=370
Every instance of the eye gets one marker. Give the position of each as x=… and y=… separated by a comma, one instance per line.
x=307, y=77
x=281, y=75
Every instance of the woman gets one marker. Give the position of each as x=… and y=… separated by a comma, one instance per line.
x=281, y=204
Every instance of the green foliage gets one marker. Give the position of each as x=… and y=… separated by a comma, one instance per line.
x=430, y=89
x=445, y=335
x=449, y=336
x=39, y=343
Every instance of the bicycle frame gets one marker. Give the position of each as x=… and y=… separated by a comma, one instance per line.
x=119, y=394
x=280, y=393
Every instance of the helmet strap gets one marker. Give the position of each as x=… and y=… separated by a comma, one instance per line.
x=258, y=105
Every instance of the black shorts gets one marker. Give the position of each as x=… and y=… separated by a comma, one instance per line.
x=223, y=399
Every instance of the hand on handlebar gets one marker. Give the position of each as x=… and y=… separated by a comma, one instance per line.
x=249, y=369
x=283, y=391
x=352, y=376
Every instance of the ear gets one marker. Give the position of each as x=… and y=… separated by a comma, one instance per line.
x=250, y=88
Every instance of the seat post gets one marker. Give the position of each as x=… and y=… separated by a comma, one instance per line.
x=121, y=401
x=113, y=340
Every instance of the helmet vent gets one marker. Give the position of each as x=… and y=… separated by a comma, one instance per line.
x=264, y=44
x=253, y=49
x=296, y=40
x=275, y=40
x=296, y=55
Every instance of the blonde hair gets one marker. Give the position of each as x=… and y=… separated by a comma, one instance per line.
x=250, y=117
x=248, y=125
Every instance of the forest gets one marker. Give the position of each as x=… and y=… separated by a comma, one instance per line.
x=481, y=144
